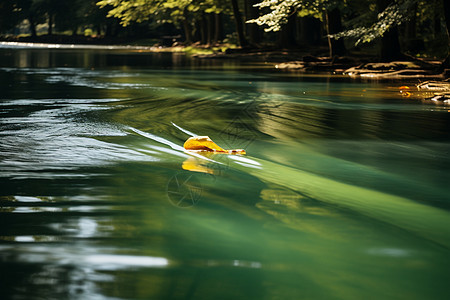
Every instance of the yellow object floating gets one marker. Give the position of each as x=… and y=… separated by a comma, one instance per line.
x=204, y=143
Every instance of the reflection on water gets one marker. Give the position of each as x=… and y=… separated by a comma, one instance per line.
x=343, y=193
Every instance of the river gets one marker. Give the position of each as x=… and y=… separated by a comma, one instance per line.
x=343, y=193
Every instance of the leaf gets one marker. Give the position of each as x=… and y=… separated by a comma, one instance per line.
x=204, y=143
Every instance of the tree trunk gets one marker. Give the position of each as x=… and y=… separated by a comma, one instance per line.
x=447, y=15
x=211, y=28
x=287, y=35
x=334, y=25
x=197, y=31
x=410, y=24
x=187, y=31
x=447, y=19
x=203, y=30
x=390, y=45
x=253, y=30
x=239, y=26
x=187, y=28
x=50, y=24
x=218, y=31
x=413, y=44
x=446, y=62
x=32, y=26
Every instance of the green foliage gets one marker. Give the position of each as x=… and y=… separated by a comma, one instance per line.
x=66, y=14
x=10, y=14
x=280, y=10
x=131, y=10
x=171, y=11
x=395, y=14
x=361, y=19
x=366, y=25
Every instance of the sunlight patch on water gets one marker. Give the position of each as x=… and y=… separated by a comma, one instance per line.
x=246, y=162
x=55, y=102
x=27, y=199
x=24, y=239
x=82, y=81
x=93, y=258
x=31, y=239
x=117, y=262
x=183, y=130
x=37, y=209
x=19, y=45
x=158, y=139
x=59, y=137
x=72, y=72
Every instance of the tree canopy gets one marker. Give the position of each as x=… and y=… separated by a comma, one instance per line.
x=415, y=25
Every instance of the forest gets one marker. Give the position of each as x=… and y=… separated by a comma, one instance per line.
x=390, y=29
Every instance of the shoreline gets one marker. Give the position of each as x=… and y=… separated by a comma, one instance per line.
x=289, y=60
x=42, y=45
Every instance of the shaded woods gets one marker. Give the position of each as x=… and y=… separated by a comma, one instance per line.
x=388, y=29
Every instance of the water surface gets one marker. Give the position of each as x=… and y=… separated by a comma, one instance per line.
x=343, y=193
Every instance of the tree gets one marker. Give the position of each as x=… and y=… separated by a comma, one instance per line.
x=56, y=12
x=33, y=15
x=14, y=12
x=366, y=20
x=310, y=31
x=10, y=14
x=446, y=62
x=188, y=15
x=334, y=25
x=253, y=30
x=447, y=16
x=383, y=25
x=390, y=45
x=287, y=33
x=239, y=24
x=281, y=13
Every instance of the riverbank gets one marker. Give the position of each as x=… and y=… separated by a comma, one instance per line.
x=302, y=59
x=66, y=39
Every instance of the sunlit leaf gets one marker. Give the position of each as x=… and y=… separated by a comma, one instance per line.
x=204, y=143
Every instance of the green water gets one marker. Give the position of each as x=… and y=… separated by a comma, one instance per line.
x=343, y=193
